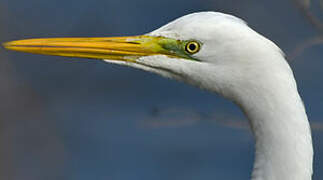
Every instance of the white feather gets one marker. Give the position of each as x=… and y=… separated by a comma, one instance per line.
x=250, y=70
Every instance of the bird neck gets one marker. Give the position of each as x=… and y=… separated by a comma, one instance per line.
x=283, y=144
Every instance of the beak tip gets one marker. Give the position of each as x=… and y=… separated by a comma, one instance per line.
x=9, y=45
x=6, y=45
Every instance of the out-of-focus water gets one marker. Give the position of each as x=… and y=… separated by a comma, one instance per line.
x=78, y=119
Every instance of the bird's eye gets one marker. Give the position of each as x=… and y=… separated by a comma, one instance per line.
x=192, y=47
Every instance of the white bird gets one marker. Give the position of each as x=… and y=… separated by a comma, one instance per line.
x=220, y=53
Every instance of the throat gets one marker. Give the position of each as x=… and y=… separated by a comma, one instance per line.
x=283, y=144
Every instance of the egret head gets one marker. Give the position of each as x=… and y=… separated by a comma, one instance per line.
x=220, y=53
x=214, y=51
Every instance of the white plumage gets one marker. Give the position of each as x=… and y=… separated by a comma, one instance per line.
x=219, y=53
x=250, y=70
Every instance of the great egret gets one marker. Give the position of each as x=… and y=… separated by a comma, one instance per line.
x=220, y=53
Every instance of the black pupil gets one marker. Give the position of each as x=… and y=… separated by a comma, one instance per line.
x=192, y=47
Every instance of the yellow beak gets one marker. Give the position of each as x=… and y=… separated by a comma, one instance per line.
x=115, y=48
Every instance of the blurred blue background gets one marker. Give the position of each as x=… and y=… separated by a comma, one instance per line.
x=79, y=119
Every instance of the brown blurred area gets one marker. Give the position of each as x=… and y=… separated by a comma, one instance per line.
x=21, y=110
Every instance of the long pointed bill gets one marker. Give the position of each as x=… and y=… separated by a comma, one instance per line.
x=116, y=48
